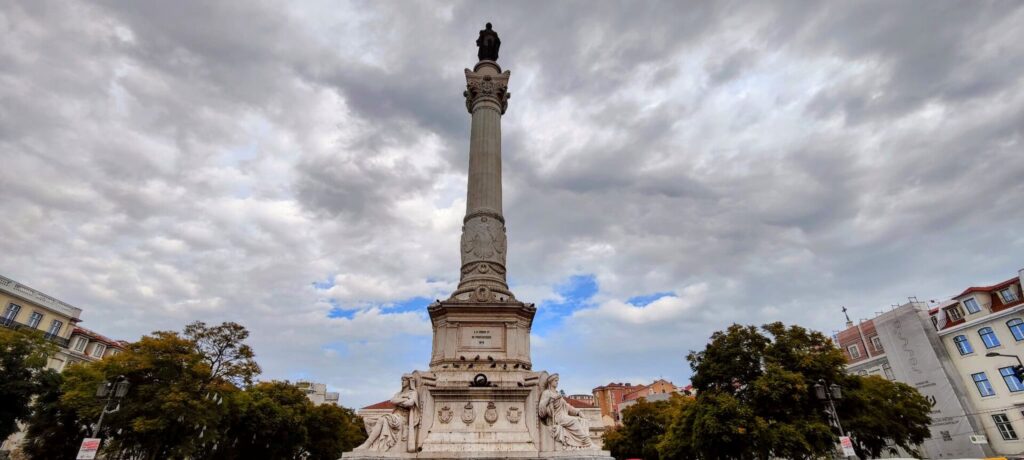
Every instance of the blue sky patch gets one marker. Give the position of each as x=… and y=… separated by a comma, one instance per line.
x=324, y=285
x=644, y=300
x=576, y=291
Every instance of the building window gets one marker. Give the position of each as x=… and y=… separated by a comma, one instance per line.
x=954, y=314
x=1012, y=382
x=988, y=337
x=963, y=345
x=80, y=343
x=854, y=351
x=887, y=369
x=984, y=387
x=877, y=343
x=1008, y=295
x=971, y=305
x=12, y=312
x=55, y=328
x=935, y=323
x=98, y=350
x=35, y=319
x=1016, y=326
x=1005, y=427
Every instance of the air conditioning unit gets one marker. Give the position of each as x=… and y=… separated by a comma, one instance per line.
x=978, y=439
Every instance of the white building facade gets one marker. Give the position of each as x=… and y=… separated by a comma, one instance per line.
x=981, y=321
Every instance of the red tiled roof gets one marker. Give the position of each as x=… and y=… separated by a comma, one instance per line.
x=99, y=337
x=386, y=404
x=988, y=288
x=579, y=403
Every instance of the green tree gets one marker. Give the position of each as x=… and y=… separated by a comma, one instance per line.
x=185, y=401
x=879, y=412
x=224, y=350
x=54, y=431
x=174, y=408
x=332, y=430
x=643, y=423
x=756, y=399
x=270, y=423
x=754, y=390
x=23, y=357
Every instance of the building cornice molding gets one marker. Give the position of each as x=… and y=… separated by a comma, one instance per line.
x=22, y=291
x=975, y=322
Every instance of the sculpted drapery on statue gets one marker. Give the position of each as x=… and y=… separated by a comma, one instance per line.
x=567, y=424
x=400, y=424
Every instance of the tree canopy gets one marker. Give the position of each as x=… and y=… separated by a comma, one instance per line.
x=23, y=357
x=756, y=400
x=643, y=425
x=191, y=396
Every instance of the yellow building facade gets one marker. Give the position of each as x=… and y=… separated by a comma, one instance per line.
x=22, y=307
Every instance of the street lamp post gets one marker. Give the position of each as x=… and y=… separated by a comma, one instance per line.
x=1018, y=370
x=114, y=392
x=830, y=393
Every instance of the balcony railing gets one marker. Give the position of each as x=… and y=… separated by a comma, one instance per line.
x=12, y=324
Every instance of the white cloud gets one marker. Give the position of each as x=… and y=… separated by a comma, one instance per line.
x=168, y=161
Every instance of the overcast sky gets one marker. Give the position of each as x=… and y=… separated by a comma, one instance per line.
x=300, y=168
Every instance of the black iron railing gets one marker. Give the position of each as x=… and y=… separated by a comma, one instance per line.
x=12, y=324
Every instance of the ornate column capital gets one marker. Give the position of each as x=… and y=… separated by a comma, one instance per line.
x=487, y=85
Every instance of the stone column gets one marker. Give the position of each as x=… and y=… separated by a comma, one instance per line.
x=483, y=233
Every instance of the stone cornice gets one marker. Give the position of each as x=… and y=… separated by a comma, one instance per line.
x=17, y=289
x=482, y=88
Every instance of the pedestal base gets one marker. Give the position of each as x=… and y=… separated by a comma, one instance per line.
x=485, y=414
x=587, y=455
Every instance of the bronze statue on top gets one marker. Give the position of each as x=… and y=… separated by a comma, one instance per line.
x=488, y=44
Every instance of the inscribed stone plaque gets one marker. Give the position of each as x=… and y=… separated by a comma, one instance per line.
x=481, y=337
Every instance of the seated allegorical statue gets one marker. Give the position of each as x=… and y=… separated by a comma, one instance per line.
x=567, y=423
x=389, y=427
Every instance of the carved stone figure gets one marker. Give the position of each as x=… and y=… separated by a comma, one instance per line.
x=399, y=424
x=488, y=44
x=568, y=426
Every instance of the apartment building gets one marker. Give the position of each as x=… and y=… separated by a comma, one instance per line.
x=902, y=345
x=22, y=307
x=960, y=354
x=613, y=398
x=982, y=330
x=317, y=393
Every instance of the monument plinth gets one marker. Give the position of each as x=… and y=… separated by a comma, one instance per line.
x=480, y=398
